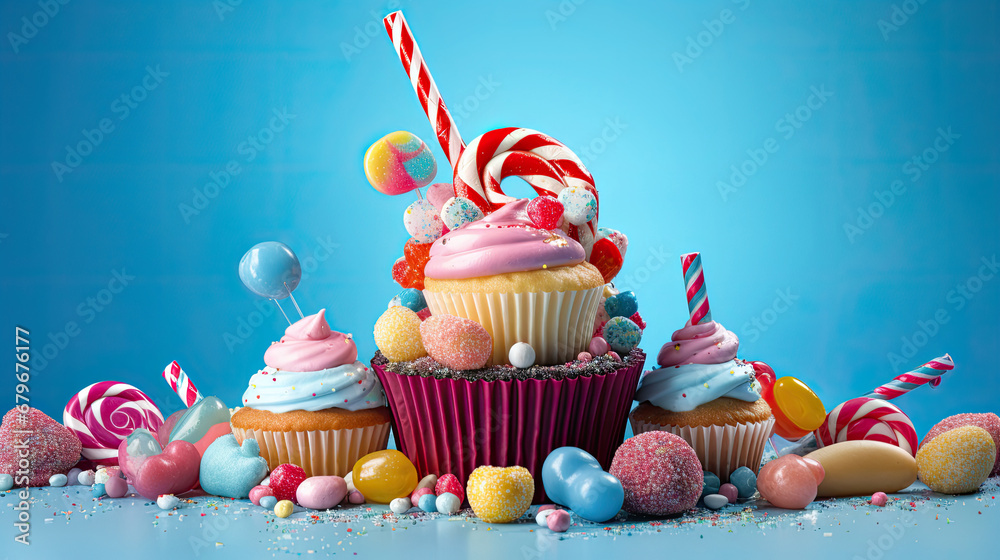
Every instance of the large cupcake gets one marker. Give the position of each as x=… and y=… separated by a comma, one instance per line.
x=702, y=393
x=521, y=282
x=314, y=405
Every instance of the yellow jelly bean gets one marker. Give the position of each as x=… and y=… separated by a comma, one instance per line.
x=397, y=335
x=383, y=476
x=283, y=508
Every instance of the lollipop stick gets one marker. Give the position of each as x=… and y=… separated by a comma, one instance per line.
x=282, y=311
x=927, y=374
x=419, y=196
x=295, y=303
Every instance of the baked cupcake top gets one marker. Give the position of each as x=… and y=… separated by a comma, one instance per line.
x=504, y=241
x=697, y=366
x=313, y=368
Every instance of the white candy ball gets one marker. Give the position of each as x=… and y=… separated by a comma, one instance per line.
x=448, y=503
x=542, y=517
x=521, y=355
x=458, y=211
x=167, y=501
x=86, y=478
x=399, y=506
x=421, y=221
x=579, y=205
x=58, y=480
x=6, y=482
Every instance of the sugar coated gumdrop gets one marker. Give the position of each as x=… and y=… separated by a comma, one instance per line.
x=449, y=484
x=622, y=334
x=384, y=475
x=398, y=163
x=545, y=212
x=456, y=342
x=458, y=211
x=422, y=221
x=285, y=481
x=521, y=355
x=660, y=472
x=957, y=461
x=397, y=335
x=500, y=494
x=790, y=481
x=987, y=421
x=53, y=448
x=579, y=205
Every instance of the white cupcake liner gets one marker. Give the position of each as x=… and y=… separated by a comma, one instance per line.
x=721, y=449
x=557, y=325
x=321, y=452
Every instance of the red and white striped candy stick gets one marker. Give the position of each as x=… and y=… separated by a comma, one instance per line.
x=870, y=419
x=181, y=384
x=423, y=83
x=930, y=372
x=694, y=286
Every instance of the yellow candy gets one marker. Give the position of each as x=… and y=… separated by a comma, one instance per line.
x=500, y=495
x=397, y=335
x=383, y=476
x=283, y=508
x=957, y=461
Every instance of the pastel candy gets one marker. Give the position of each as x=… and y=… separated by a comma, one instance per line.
x=6, y=482
x=271, y=270
x=745, y=482
x=879, y=499
x=558, y=521
x=716, y=501
x=598, y=346
x=790, y=481
x=957, y=461
x=321, y=492
x=284, y=508
x=439, y=193
x=573, y=478
x=622, y=334
x=623, y=304
x=447, y=503
x=116, y=487
x=97, y=490
x=542, y=515
x=167, y=501
x=58, y=480
x=729, y=491
x=268, y=502
x=397, y=335
x=398, y=163
x=579, y=205
x=412, y=299
x=257, y=493
x=232, y=470
x=86, y=478
x=152, y=471
x=399, y=506
x=521, y=355
x=863, y=467
x=422, y=221
x=73, y=476
x=500, y=494
x=201, y=424
x=456, y=342
x=428, y=503
x=458, y=211
x=711, y=484
x=384, y=475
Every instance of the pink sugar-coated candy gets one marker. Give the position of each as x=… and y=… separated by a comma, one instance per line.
x=730, y=492
x=415, y=496
x=116, y=487
x=599, y=346
x=660, y=473
x=790, y=482
x=558, y=521
x=259, y=492
x=54, y=449
x=987, y=421
x=637, y=319
x=584, y=356
x=879, y=499
x=455, y=342
x=545, y=212
x=450, y=483
x=356, y=497
x=614, y=356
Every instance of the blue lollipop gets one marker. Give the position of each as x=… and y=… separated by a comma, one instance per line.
x=271, y=270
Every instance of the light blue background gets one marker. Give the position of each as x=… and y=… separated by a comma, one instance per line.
x=568, y=74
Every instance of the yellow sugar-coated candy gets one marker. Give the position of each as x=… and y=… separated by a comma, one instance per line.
x=500, y=494
x=283, y=508
x=957, y=461
x=383, y=476
x=397, y=335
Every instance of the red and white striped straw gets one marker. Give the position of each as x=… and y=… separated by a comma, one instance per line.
x=181, y=384
x=930, y=372
x=694, y=286
x=423, y=83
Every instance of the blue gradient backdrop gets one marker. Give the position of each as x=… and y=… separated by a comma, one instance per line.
x=823, y=105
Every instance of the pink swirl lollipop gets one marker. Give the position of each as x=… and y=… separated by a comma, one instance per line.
x=868, y=419
x=105, y=413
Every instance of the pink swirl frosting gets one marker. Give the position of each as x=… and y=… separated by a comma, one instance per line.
x=707, y=343
x=504, y=241
x=310, y=345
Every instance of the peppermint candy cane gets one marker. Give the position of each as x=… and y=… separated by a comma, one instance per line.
x=181, y=384
x=868, y=419
x=105, y=413
x=542, y=161
x=929, y=373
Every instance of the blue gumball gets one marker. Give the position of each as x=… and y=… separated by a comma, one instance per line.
x=413, y=299
x=428, y=503
x=270, y=270
x=621, y=305
x=745, y=482
x=622, y=334
x=573, y=478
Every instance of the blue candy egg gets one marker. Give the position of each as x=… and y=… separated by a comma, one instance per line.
x=58, y=480
x=573, y=478
x=6, y=482
x=428, y=503
x=622, y=305
x=711, y=484
x=413, y=299
x=622, y=334
x=268, y=502
x=745, y=482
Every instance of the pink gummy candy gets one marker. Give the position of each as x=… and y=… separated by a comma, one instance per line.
x=790, y=482
x=51, y=448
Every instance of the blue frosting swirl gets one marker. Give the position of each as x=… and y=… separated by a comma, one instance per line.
x=685, y=387
x=350, y=387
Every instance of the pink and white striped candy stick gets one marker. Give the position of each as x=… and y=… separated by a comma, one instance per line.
x=694, y=285
x=181, y=384
x=423, y=84
x=930, y=372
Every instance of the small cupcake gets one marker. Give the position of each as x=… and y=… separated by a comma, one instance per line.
x=314, y=405
x=520, y=282
x=702, y=393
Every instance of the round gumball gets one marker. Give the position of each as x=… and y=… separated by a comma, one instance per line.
x=622, y=334
x=270, y=270
x=447, y=503
x=412, y=299
x=579, y=205
x=660, y=473
x=458, y=211
x=521, y=355
x=428, y=503
x=397, y=335
x=422, y=221
x=398, y=163
x=879, y=499
x=268, y=502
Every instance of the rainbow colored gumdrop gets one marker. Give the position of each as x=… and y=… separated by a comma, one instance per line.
x=383, y=476
x=455, y=342
x=499, y=494
x=398, y=163
x=422, y=221
x=397, y=336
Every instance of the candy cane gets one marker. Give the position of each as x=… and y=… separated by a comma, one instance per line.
x=423, y=84
x=869, y=419
x=181, y=384
x=544, y=162
x=105, y=413
x=694, y=286
x=930, y=372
